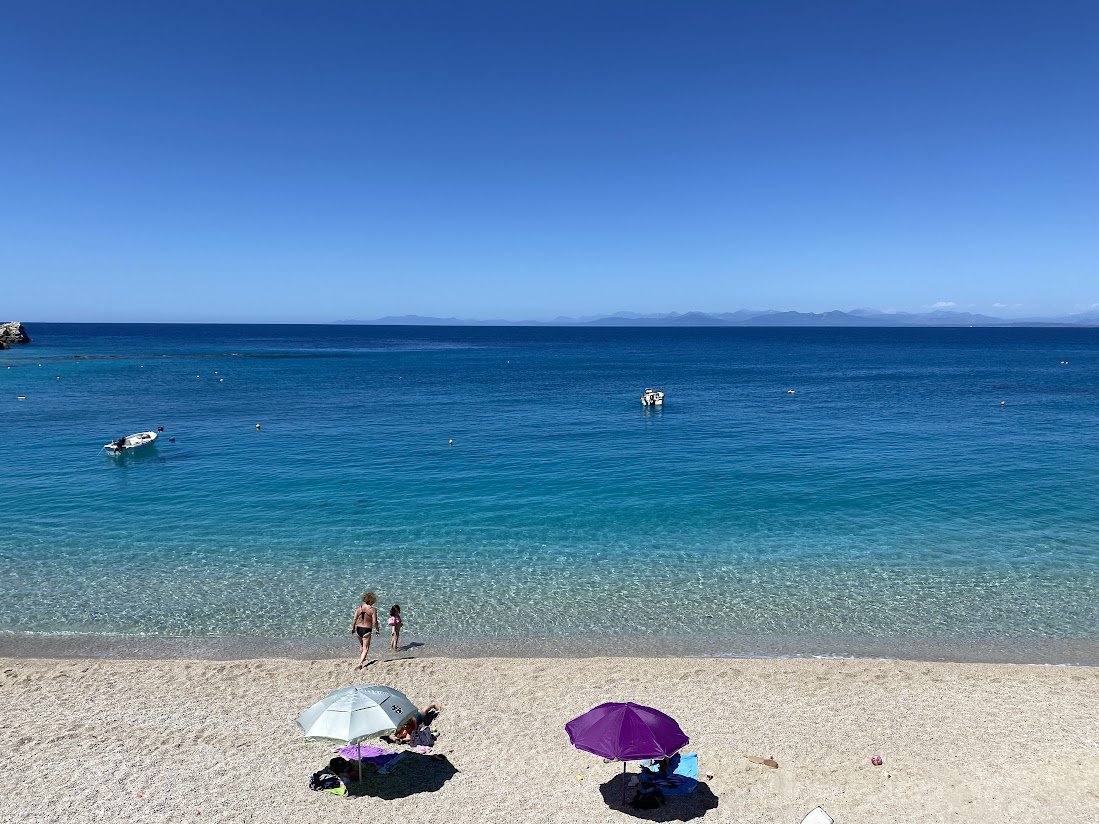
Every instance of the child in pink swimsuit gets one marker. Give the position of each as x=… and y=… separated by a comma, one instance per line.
x=395, y=624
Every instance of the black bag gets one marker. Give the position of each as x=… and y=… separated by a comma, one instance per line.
x=648, y=798
x=324, y=780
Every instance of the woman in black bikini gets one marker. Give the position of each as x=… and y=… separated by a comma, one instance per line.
x=364, y=623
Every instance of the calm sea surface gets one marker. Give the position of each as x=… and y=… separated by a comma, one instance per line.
x=892, y=506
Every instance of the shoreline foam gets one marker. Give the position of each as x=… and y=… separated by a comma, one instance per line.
x=1076, y=653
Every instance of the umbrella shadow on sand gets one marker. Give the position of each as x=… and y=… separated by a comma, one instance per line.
x=415, y=774
x=675, y=808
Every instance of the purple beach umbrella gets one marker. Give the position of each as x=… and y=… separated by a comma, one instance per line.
x=626, y=732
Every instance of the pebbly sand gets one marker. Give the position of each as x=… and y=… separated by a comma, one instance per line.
x=104, y=740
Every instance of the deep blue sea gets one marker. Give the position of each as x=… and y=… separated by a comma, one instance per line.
x=929, y=493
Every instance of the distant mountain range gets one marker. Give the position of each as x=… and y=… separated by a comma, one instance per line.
x=745, y=317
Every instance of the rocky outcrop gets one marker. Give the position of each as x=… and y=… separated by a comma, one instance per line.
x=13, y=333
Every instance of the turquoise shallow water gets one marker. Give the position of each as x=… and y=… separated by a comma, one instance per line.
x=892, y=506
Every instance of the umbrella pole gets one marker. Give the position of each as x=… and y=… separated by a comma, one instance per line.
x=623, y=783
x=359, y=753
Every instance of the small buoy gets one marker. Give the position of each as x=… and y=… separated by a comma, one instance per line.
x=58, y=378
x=450, y=442
x=221, y=380
x=1002, y=403
x=257, y=426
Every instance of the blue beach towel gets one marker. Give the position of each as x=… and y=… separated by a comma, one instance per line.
x=684, y=777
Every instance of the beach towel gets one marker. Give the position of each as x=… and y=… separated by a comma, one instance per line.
x=351, y=752
x=380, y=758
x=387, y=768
x=684, y=778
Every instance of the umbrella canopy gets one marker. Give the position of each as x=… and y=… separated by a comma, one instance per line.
x=626, y=732
x=353, y=713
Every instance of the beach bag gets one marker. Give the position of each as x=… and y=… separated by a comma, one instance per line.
x=423, y=737
x=324, y=780
x=648, y=798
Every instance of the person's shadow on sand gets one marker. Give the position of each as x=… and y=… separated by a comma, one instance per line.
x=414, y=774
x=675, y=808
x=393, y=654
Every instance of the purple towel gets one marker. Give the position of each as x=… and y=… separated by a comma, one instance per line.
x=370, y=755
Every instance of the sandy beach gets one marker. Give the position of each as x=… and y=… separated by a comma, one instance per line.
x=111, y=740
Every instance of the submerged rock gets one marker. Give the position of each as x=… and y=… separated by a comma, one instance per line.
x=13, y=332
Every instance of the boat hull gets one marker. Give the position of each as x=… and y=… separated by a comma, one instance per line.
x=130, y=443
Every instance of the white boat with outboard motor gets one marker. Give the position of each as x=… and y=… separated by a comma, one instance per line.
x=130, y=442
x=652, y=397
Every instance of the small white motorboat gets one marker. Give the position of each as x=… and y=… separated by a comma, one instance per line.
x=652, y=397
x=130, y=442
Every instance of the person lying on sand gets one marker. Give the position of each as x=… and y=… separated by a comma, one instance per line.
x=417, y=729
x=340, y=767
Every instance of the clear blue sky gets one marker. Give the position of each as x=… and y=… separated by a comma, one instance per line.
x=312, y=161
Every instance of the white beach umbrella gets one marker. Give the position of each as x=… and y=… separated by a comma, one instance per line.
x=349, y=715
